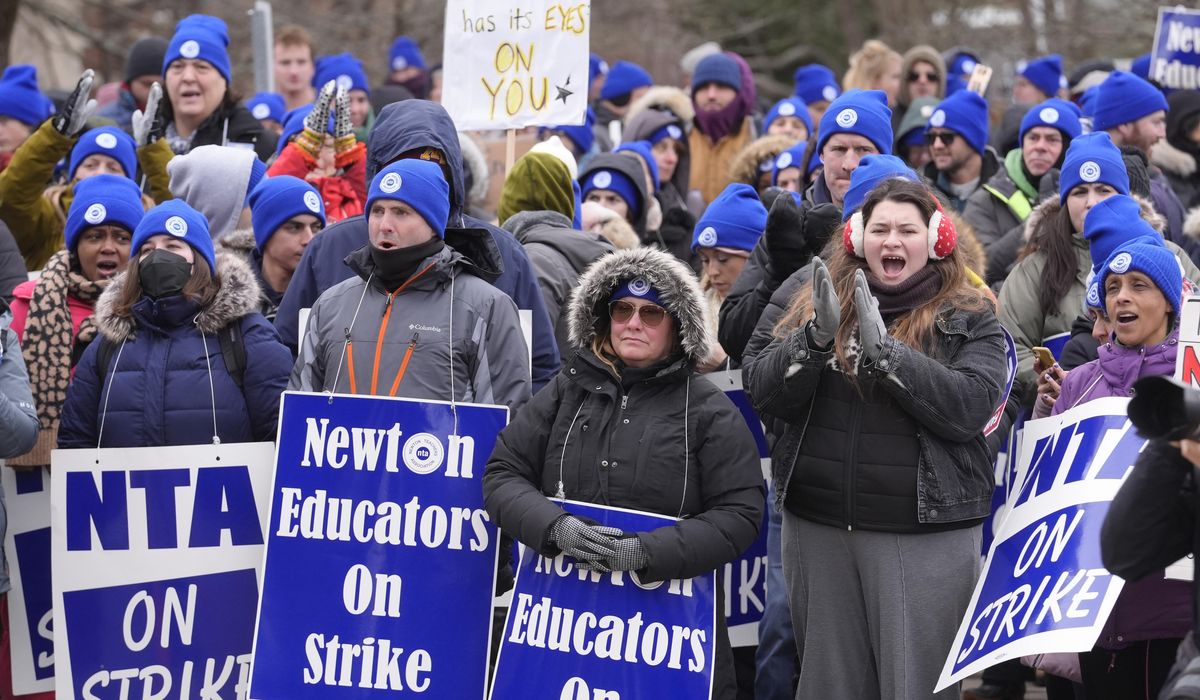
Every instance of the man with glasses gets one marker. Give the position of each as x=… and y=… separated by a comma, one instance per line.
x=962, y=161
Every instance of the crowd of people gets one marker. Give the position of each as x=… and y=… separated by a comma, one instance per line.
x=173, y=260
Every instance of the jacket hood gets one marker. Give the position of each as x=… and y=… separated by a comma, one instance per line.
x=643, y=126
x=928, y=54
x=617, y=231
x=403, y=126
x=681, y=296
x=551, y=229
x=631, y=167
x=1173, y=160
x=664, y=98
x=1191, y=225
x=238, y=296
x=240, y=242
x=476, y=163
x=745, y=165
x=214, y=180
x=1050, y=208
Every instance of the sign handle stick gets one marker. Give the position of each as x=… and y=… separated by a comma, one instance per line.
x=510, y=150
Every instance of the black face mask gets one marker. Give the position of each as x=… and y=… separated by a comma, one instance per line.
x=163, y=273
x=394, y=267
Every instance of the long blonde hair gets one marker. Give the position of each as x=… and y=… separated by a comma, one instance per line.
x=914, y=328
x=869, y=64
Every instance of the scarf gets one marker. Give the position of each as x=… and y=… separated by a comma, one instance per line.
x=723, y=122
x=48, y=345
x=898, y=299
x=394, y=267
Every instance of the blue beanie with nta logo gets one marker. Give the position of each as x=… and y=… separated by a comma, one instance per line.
x=202, y=37
x=276, y=200
x=101, y=200
x=1092, y=158
x=175, y=218
x=418, y=183
x=861, y=112
x=735, y=219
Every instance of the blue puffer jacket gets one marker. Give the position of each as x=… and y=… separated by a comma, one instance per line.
x=159, y=376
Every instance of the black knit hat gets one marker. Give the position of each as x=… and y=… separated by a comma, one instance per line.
x=145, y=58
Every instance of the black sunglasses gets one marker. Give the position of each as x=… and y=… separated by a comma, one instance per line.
x=915, y=76
x=946, y=137
x=622, y=311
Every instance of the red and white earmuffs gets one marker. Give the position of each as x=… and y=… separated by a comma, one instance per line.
x=942, y=235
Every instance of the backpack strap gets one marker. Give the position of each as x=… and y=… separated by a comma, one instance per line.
x=233, y=351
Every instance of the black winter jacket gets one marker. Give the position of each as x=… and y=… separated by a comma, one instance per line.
x=233, y=127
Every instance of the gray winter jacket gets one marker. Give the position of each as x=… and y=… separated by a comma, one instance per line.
x=447, y=334
x=559, y=255
x=18, y=415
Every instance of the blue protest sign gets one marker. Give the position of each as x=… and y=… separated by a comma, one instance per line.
x=582, y=634
x=1043, y=588
x=381, y=559
x=156, y=556
x=1175, y=60
x=30, y=598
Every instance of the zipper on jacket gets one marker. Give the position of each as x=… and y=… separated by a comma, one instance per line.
x=851, y=459
x=624, y=401
x=412, y=345
x=387, y=315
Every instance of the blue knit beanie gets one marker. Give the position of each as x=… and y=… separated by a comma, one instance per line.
x=615, y=181
x=278, y=199
x=623, y=78
x=418, y=183
x=954, y=85
x=645, y=151
x=596, y=67
x=716, y=68
x=1151, y=258
x=862, y=112
x=105, y=141
x=580, y=135
x=1112, y=223
x=101, y=200
x=20, y=98
x=791, y=158
x=637, y=287
x=1045, y=73
x=962, y=63
x=816, y=83
x=789, y=107
x=1092, y=158
x=203, y=37
x=735, y=219
x=175, y=218
x=1122, y=98
x=405, y=54
x=267, y=105
x=258, y=171
x=673, y=131
x=1141, y=66
x=966, y=114
x=344, y=69
x=871, y=171
x=1054, y=113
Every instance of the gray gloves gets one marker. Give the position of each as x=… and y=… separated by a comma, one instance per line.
x=75, y=111
x=630, y=555
x=587, y=543
x=148, y=125
x=827, y=312
x=871, y=329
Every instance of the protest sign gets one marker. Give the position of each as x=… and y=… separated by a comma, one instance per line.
x=27, y=549
x=1187, y=359
x=156, y=556
x=583, y=634
x=1043, y=587
x=516, y=63
x=1175, y=60
x=745, y=578
x=381, y=559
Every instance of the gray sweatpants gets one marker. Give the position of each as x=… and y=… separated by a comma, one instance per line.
x=875, y=613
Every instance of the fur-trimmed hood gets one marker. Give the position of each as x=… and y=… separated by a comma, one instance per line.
x=1191, y=225
x=928, y=54
x=974, y=254
x=241, y=242
x=680, y=292
x=745, y=167
x=238, y=296
x=643, y=125
x=664, y=97
x=1173, y=160
x=1050, y=208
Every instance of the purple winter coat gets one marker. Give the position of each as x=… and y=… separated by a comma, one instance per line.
x=1152, y=608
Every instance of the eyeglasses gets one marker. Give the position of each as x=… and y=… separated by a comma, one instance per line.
x=946, y=137
x=622, y=311
x=915, y=76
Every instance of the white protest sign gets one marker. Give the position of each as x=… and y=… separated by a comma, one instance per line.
x=516, y=63
x=27, y=549
x=157, y=555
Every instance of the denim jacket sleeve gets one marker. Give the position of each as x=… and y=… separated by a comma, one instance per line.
x=951, y=396
x=782, y=378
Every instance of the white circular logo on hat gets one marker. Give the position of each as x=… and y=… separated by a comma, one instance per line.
x=602, y=179
x=938, y=118
x=1048, y=115
x=708, y=237
x=312, y=201
x=189, y=48
x=106, y=140
x=261, y=111
x=1121, y=263
x=604, y=67
x=639, y=286
x=1062, y=82
x=1022, y=65
x=787, y=109
x=1093, y=294
x=926, y=110
x=829, y=92
x=674, y=132
x=847, y=118
x=176, y=226
x=399, y=63
x=1089, y=171
x=390, y=183
x=968, y=66
x=784, y=160
x=95, y=213
x=345, y=82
